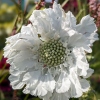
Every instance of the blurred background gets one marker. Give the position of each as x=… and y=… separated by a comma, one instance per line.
x=15, y=13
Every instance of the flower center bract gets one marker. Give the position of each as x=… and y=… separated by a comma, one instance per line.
x=52, y=53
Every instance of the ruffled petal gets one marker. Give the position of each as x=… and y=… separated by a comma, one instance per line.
x=78, y=85
x=84, y=85
x=47, y=96
x=79, y=41
x=16, y=81
x=60, y=96
x=75, y=90
x=88, y=28
x=89, y=73
x=70, y=20
x=39, y=84
x=82, y=68
x=63, y=83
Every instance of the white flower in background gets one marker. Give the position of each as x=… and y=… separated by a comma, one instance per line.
x=48, y=56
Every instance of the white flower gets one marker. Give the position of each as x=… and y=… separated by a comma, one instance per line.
x=48, y=56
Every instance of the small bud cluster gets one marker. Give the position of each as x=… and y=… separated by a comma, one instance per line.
x=94, y=6
x=52, y=53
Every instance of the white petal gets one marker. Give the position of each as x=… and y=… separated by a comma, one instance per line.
x=21, y=44
x=26, y=30
x=84, y=85
x=70, y=19
x=75, y=91
x=83, y=67
x=39, y=85
x=63, y=83
x=60, y=96
x=47, y=96
x=89, y=73
x=77, y=40
x=57, y=9
x=16, y=81
x=88, y=28
x=32, y=77
x=22, y=55
x=14, y=71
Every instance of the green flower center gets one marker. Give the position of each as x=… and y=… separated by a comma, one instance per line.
x=52, y=53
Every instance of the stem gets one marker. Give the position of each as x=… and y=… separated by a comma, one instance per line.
x=39, y=6
x=5, y=75
x=26, y=7
x=15, y=95
x=79, y=14
x=1, y=54
x=86, y=7
x=79, y=4
x=53, y=1
x=29, y=14
x=64, y=3
x=19, y=2
x=3, y=68
x=14, y=26
x=26, y=97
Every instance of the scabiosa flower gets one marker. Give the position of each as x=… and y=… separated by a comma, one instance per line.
x=47, y=57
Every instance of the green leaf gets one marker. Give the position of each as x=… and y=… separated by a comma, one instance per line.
x=26, y=97
x=1, y=53
x=30, y=12
x=79, y=4
x=4, y=76
x=2, y=97
x=5, y=71
x=79, y=14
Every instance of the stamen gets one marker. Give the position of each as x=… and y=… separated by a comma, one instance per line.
x=52, y=53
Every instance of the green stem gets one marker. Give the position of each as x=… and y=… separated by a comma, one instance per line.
x=3, y=77
x=64, y=3
x=79, y=4
x=79, y=14
x=29, y=14
x=1, y=53
x=26, y=97
x=3, y=69
x=85, y=7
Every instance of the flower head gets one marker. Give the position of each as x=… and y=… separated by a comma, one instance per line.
x=48, y=55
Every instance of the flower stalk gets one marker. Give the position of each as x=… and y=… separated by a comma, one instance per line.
x=40, y=4
x=15, y=95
